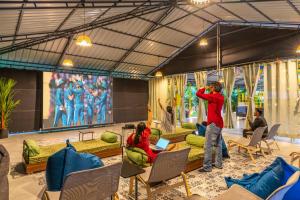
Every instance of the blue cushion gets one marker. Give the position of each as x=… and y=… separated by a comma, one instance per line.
x=65, y=161
x=264, y=183
x=201, y=129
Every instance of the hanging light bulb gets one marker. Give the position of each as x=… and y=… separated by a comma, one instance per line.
x=201, y=2
x=68, y=63
x=84, y=41
x=298, y=49
x=203, y=42
x=158, y=74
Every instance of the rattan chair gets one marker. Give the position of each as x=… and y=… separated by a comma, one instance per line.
x=294, y=157
x=93, y=184
x=237, y=192
x=251, y=146
x=270, y=139
x=4, y=170
x=167, y=165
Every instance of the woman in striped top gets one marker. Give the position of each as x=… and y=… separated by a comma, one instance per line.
x=168, y=122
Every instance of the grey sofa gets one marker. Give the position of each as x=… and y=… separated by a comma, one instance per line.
x=4, y=169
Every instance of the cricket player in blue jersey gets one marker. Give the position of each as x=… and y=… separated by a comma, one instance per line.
x=101, y=103
x=69, y=103
x=79, y=105
x=60, y=112
x=90, y=103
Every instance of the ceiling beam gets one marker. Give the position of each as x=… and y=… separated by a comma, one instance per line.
x=146, y=34
x=293, y=6
x=262, y=25
x=88, y=57
x=193, y=14
x=63, y=53
x=260, y=12
x=79, y=29
x=71, y=4
x=18, y=25
x=75, y=70
x=232, y=13
x=166, y=26
x=183, y=48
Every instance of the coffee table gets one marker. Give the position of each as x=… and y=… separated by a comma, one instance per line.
x=81, y=134
x=130, y=170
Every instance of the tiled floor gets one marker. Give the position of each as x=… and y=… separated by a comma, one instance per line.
x=29, y=187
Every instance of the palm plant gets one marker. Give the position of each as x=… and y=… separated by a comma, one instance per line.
x=7, y=101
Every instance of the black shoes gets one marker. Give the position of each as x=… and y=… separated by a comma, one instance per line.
x=203, y=170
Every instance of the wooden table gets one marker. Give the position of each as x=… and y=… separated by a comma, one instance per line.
x=81, y=134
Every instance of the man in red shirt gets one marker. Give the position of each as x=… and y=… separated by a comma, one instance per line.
x=215, y=125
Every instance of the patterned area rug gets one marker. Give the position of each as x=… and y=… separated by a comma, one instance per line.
x=208, y=185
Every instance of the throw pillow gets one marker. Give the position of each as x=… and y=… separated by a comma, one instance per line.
x=32, y=148
x=189, y=125
x=65, y=161
x=195, y=140
x=109, y=137
x=264, y=183
x=137, y=156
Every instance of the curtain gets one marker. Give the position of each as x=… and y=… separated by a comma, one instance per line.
x=281, y=100
x=201, y=80
x=158, y=88
x=179, y=83
x=229, y=78
x=251, y=77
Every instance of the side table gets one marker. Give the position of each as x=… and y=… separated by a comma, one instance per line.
x=81, y=134
x=129, y=170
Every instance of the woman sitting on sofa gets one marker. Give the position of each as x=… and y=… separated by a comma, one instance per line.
x=141, y=139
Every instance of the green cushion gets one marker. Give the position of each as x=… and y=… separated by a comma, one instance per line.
x=155, y=132
x=189, y=125
x=178, y=132
x=109, y=137
x=137, y=156
x=195, y=153
x=32, y=148
x=195, y=140
x=87, y=146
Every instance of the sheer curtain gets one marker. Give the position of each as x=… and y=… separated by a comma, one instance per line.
x=251, y=77
x=281, y=100
x=201, y=80
x=179, y=83
x=229, y=78
x=158, y=88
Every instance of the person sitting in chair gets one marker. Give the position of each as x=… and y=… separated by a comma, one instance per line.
x=141, y=139
x=259, y=121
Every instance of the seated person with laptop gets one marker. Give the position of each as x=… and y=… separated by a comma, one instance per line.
x=141, y=139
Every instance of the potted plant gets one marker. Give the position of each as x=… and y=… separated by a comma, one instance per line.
x=7, y=104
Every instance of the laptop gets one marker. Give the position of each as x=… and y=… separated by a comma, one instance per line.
x=161, y=145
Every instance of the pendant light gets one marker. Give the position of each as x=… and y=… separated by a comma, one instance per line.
x=203, y=42
x=200, y=2
x=84, y=40
x=158, y=74
x=298, y=49
x=68, y=63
